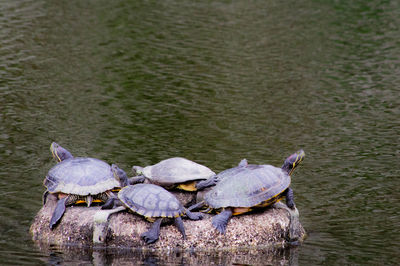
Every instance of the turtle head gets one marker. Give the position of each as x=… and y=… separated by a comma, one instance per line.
x=292, y=161
x=59, y=153
x=120, y=175
x=137, y=170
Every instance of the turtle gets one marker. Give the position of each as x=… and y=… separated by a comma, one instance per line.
x=176, y=172
x=77, y=180
x=151, y=201
x=250, y=186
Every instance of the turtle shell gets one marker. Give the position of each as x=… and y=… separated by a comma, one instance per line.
x=80, y=176
x=232, y=171
x=151, y=201
x=176, y=170
x=248, y=186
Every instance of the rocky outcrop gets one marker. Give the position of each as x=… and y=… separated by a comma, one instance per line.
x=271, y=227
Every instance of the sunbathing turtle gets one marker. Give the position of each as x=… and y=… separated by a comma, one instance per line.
x=250, y=186
x=176, y=172
x=77, y=180
x=151, y=201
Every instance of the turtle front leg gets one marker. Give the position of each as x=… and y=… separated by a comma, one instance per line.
x=290, y=198
x=152, y=235
x=212, y=181
x=60, y=209
x=111, y=201
x=294, y=232
x=194, y=215
x=179, y=224
x=220, y=221
x=196, y=206
x=136, y=180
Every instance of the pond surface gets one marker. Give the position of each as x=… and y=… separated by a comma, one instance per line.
x=214, y=81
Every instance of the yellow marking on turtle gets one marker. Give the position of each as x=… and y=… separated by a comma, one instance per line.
x=240, y=210
x=299, y=159
x=55, y=155
x=150, y=219
x=265, y=203
x=80, y=201
x=188, y=186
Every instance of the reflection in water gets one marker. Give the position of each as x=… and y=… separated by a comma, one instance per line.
x=126, y=256
x=134, y=83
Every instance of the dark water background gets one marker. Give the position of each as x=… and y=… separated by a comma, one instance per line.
x=135, y=82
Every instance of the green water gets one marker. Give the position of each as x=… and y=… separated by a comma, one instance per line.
x=135, y=82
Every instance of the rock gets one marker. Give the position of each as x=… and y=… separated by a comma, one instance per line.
x=266, y=228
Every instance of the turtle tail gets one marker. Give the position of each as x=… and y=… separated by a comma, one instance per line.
x=89, y=200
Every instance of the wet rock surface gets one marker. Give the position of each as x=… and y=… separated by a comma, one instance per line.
x=262, y=229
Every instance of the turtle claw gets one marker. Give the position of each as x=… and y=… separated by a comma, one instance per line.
x=221, y=230
x=221, y=227
x=212, y=181
x=152, y=235
x=149, y=237
x=179, y=224
x=220, y=221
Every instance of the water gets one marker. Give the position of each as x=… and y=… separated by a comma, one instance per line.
x=138, y=82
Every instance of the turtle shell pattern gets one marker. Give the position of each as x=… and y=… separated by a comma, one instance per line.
x=176, y=170
x=80, y=176
x=231, y=171
x=151, y=201
x=248, y=186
